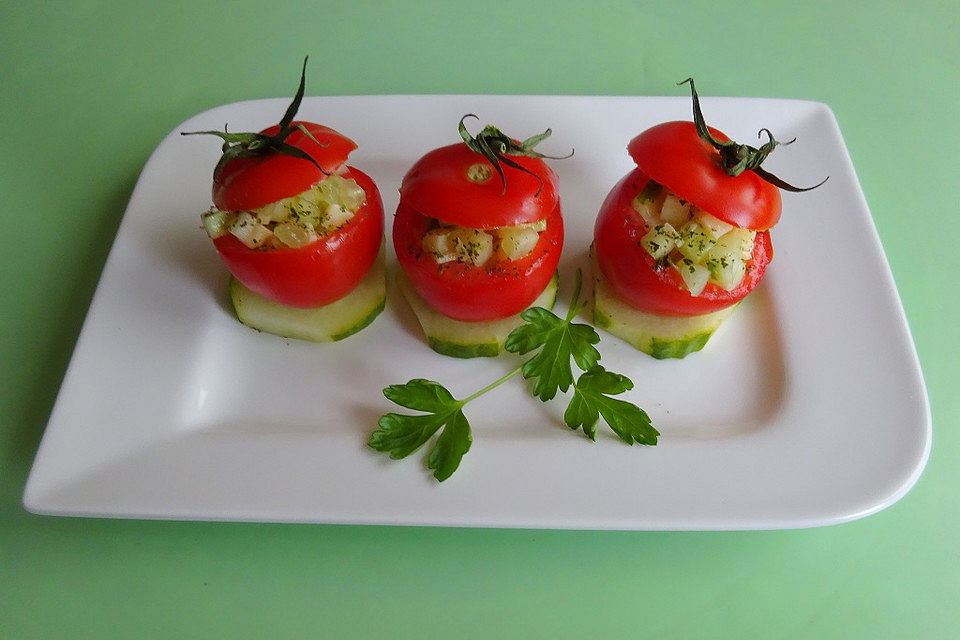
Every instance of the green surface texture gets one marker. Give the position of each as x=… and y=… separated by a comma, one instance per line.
x=88, y=89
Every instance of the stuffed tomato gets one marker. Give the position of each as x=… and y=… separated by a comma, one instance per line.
x=478, y=234
x=300, y=231
x=684, y=237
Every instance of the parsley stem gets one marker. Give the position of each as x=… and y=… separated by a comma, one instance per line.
x=575, y=300
x=491, y=386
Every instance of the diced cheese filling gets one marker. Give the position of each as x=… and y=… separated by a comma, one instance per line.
x=480, y=247
x=292, y=222
x=701, y=247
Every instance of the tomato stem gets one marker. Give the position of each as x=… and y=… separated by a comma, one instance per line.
x=495, y=146
x=735, y=158
x=249, y=144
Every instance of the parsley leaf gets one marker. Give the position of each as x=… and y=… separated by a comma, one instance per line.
x=420, y=394
x=400, y=435
x=454, y=441
x=560, y=340
x=591, y=401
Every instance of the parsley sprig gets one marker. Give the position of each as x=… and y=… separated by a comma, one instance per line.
x=556, y=341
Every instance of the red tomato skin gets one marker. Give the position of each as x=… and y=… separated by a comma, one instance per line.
x=319, y=273
x=437, y=186
x=469, y=293
x=632, y=272
x=250, y=183
x=674, y=155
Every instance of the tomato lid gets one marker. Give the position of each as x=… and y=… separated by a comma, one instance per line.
x=439, y=185
x=674, y=155
x=252, y=182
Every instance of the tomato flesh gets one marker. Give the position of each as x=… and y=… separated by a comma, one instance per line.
x=633, y=274
x=674, y=155
x=252, y=182
x=437, y=186
x=320, y=272
x=466, y=292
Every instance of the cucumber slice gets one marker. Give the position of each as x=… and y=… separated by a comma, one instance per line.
x=467, y=339
x=658, y=336
x=329, y=323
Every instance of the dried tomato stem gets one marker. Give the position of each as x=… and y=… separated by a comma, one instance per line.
x=245, y=145
x=735, y=158
x=495, y=146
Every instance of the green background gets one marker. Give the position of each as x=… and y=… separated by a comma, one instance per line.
x=87, y=90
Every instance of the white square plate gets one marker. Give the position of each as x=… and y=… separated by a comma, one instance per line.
x=807, y=408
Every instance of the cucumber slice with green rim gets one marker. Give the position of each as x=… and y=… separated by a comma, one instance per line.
x=461, y=339
x=329, y=323
x=658, y=336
